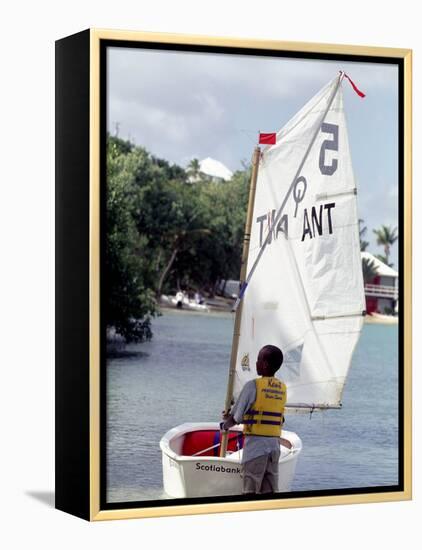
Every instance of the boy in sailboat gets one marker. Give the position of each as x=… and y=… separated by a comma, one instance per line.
x=260, y=408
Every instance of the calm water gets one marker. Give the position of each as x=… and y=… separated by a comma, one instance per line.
x=181, y=376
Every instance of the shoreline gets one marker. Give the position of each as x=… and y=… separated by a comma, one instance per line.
x=224, y=306
x=380, y=319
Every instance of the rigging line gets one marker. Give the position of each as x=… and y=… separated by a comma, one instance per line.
x=246, y=132
x=283, y=204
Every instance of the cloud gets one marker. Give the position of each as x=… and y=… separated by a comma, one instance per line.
x=185, y=105
x=196, y=98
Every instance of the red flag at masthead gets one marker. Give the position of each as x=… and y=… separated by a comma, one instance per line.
x=267, y=138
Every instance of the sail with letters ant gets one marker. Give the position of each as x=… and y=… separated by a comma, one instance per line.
x=306, y=293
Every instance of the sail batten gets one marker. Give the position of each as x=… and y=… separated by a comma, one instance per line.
x=304, y=408
x=325, y=196
x=304, y=289
x=342, y=316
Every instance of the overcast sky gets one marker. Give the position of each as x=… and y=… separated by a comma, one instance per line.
x=181, y=106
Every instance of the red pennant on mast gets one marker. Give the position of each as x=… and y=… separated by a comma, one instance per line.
x=360, y=94
x=267, y=138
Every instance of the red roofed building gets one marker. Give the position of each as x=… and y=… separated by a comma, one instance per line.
x=382, y=292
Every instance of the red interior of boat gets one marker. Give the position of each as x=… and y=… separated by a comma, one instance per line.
x=208, y=442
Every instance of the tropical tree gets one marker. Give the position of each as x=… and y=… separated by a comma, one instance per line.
x=386, y=237
x=193, y=170
x=225, y=206
x=369, y=270
x=383, y=259
x=362, y=230
x=130, y=301
x=162, y=233
x=183, y=237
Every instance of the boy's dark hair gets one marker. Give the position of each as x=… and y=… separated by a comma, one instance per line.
x=274, y=357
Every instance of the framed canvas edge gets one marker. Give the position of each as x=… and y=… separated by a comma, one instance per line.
x=250, y=506
x=96, y=35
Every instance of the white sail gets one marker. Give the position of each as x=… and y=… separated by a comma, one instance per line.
x=306, y=292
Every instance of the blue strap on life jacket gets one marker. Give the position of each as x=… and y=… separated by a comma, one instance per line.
x=252, y=412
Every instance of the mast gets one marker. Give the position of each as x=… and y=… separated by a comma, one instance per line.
x=238, y=314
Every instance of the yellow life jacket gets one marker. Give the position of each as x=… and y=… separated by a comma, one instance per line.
x=265, y=417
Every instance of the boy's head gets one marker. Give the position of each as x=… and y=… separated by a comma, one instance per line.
x=270, y=359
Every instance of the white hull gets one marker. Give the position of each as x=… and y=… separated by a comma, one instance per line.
x=200, y=476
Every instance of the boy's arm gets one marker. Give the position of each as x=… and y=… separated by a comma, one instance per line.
x=246, y=398
x=228, y=423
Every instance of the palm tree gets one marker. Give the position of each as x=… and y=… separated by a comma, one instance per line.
x=383, y=259
x=362, y=230
x=386, y=237
x=194, y=168
x=369, y=270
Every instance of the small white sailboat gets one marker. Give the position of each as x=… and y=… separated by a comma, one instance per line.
x=183, y=302
x=303, y=292
x=192, y=466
